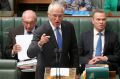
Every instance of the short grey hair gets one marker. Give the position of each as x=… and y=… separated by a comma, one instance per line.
x=31, y=13
x=55, y=4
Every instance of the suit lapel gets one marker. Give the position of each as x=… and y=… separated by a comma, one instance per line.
x=52, y=35
x=90, y=41
x=107, y=35
x=64, y=34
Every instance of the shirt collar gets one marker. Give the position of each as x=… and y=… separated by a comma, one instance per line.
x=53, y=27
x=96, y=32
x=25, y=31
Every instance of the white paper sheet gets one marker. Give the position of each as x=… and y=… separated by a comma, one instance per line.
x=24, y=41
x=59, y=72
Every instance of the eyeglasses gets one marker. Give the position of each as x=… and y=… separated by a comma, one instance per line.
x=26, y=22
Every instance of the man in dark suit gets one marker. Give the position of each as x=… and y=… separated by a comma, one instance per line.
x=45, y=44
x=4, y=5
x=110, y=50
x=28, y=26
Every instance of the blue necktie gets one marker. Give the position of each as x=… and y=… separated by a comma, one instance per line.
x=59, y=38
x=99, y=45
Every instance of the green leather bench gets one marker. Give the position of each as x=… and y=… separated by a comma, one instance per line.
x=8, y=69
x=81, y=24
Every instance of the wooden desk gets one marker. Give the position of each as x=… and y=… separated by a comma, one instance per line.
x=35, y=1
x=6, y=13
x=112, y=75
x=72, y=74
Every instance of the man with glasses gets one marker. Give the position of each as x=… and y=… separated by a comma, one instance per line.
x=28, y=26
x=55, y=36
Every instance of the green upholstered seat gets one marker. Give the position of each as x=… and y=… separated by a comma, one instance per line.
x=6, y=24
x=113, y=25
x=8, y=69
x=85, y=24
x=17, y=21
x=81, y=24
x=76, y=23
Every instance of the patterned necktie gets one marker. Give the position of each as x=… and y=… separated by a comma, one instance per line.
x=59, y=38
x=99, y=45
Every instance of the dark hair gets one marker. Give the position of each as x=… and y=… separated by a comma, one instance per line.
x=98, y=11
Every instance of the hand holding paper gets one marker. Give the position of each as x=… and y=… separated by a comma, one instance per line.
x=24, y=41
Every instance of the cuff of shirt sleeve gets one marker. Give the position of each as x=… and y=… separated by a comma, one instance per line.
x=12, y=54
x=39, y=45
x=105, y=58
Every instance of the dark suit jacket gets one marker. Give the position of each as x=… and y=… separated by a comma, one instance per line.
x=11, y=41
x=0, y=52
x=4, y=5
x=111, y=47
x=46, y=55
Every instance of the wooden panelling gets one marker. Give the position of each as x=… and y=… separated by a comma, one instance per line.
x=35, y=1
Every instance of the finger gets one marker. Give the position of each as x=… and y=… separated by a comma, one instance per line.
x=48, y=36
x=43, y=35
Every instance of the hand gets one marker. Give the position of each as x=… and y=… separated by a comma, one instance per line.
x=44, y=39
x=94, y=60
x=16, y=48
x=102, y=58
x=97, y=59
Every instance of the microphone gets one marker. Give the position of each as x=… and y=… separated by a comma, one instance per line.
x=58, y=52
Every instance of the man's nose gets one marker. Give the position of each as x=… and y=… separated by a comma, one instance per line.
x=101, y=21
x=28, y=25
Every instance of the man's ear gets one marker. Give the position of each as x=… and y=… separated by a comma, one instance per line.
x=92, y=21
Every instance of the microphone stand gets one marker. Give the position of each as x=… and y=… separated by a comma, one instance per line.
x=56, y=51
x=60, y=54
x=58, y=58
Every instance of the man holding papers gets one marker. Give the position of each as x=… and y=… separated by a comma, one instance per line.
x=29, y=19
x=20, y=37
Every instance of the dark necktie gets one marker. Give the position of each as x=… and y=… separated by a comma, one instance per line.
x=29, y=32
x=59, y=38
x=99, y=45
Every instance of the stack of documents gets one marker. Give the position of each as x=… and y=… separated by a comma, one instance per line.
x=25, y=64
x=29, y=65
